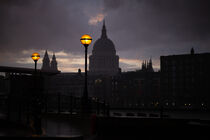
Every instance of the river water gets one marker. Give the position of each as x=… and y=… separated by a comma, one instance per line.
x=202, y=115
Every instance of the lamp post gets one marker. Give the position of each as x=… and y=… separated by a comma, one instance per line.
x=36, y=99
x=85, y=40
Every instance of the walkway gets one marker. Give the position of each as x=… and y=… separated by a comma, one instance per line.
x=54, y=126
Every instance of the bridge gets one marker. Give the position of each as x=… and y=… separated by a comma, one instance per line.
x=19, y=70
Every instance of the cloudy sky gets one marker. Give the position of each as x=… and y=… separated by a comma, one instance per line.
x=140, y=29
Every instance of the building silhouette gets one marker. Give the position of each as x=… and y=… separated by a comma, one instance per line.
x=147, y=66
x=65, y=83
x=183, y=82
x=104, y=60
x=53, y=63
x=185, y=78
x=140, y=88
x=46, y=62
x=47, y=65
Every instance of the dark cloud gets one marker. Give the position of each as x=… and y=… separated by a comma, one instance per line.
x=140, y=29
x=192, y=16
x=40, y=24
x=14, y=2
x=113, y=4
x=167, y=25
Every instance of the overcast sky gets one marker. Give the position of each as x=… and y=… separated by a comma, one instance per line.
x=140, y=29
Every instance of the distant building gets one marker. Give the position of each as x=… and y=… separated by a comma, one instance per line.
x=129, y=89
x=104, y=60
x=47, y=65
x=147, y=66
x=185, y=78
x=53, y=65
x=46, y=62
x=65, y=84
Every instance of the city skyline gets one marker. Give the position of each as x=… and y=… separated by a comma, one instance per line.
x=140, y=30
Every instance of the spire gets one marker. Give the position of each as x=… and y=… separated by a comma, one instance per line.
x=150, y=68
x=150, y=61
x=53, y=58
x=54, y=63
x=103, y=35
x=142, y=65
x=146, y=63
x=46, y=55
x=46, y=62
x=192, y=51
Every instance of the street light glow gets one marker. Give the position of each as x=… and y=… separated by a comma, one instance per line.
x=86, y=39
x=35, y=56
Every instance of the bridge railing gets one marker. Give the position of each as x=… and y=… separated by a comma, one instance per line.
x=20, y=109
x=59, y=103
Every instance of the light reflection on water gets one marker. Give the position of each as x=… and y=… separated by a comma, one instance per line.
x=172, y=114
x=60, y=128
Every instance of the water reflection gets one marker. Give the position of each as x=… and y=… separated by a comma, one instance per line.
x=60, y=128
x=166, y=114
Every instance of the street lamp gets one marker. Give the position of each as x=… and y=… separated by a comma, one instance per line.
x=35, y=57
x=86, y=40
x=36, y=99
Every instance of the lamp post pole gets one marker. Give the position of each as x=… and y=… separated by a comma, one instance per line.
x=86, y=90
x=36, y=99
x=85, y=40
x=35, y=65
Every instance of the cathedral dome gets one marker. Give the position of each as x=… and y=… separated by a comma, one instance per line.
x=104, y=60
x=104, y=45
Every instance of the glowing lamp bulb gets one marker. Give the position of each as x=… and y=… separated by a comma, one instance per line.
x=35, y=56
x=86, y=39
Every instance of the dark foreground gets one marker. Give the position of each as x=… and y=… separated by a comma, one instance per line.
x=158, y=128
x=123, y=128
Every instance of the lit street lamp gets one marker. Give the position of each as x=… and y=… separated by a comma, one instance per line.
x=86, y=40
x=35, y=57
x=36, y=99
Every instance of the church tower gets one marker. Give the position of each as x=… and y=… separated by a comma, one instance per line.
x=149, y=67
x=192, y=51
x=54, y=66
x=143, y=66
x=46, y=62
x=104, y=60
